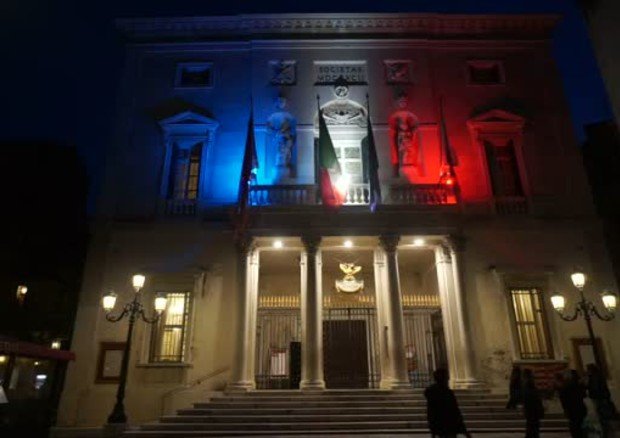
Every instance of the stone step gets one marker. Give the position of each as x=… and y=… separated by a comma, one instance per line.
x=284, y=417
x=324, y=432
x=297, y=392
x=421, y=408
x=336, y=404
x=333, y=397
x=346, y=425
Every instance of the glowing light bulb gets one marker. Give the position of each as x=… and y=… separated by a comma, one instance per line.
x=278, y=244
x=348, y=244
x=418, y=241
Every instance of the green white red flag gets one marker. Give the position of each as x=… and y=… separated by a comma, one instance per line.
x=331, y=179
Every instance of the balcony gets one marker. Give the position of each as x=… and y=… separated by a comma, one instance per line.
x=357, y=194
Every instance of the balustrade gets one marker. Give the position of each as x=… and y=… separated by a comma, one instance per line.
x=180, y=207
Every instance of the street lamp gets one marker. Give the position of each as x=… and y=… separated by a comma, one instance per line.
x=587, y=309
x=133, y=310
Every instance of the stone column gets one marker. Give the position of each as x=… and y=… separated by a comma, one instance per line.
x=239, y=379
x=395, y=323
x=456, y=330
x=457, y=250
x=253, y=272
x=311, y=316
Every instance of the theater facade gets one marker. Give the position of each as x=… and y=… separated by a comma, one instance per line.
x=484, y=211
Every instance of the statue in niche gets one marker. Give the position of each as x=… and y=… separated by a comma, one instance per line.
x=404, y=137
x=282, y=138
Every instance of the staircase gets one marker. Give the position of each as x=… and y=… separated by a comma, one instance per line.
x=346, y=412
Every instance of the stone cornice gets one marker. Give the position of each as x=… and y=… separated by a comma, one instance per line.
x=246, y=27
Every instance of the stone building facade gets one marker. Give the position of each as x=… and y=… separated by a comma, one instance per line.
x=455, y=273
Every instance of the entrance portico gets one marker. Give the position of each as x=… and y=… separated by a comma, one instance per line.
x=395, y=340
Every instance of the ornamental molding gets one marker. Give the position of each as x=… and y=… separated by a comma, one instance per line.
x=530, y=26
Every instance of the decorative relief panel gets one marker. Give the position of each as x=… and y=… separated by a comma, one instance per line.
x=283, y=72
x=397, y=71
x=339, y=72
x=344, y=112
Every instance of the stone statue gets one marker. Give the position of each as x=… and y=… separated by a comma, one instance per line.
x=282, y=138
x=404, y=137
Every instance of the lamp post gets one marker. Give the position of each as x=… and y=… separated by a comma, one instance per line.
x=132, y=310
x=587, y=309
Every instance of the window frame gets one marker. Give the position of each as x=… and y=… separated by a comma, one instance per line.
x=157, y=331
x=546, y=329
x=471, y=63
x=194, y=64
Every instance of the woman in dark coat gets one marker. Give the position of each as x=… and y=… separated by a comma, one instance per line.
x=514, y=388
x=532, y=405
x=442, y=409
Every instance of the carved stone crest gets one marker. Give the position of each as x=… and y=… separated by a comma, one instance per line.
x=349, y=284
x=397, y=72
x=344, y=112
x=283, y=72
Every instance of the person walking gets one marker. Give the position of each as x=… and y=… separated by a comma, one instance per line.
x=572, y=393
x=601, y=398
x=532, y=405
x=442, y=409
x=514, y=388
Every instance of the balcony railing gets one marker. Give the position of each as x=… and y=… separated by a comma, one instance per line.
x=180, y=207
x=422, y=194
x=357, y=194
x=275, y=195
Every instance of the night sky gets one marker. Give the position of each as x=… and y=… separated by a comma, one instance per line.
x=62, y=59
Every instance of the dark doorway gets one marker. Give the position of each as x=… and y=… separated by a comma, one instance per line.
x=345, y=349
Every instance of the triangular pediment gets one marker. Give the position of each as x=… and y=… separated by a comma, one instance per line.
x=497, y=115
x=188, y=118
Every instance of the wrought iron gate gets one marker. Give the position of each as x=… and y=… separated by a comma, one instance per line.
x=278, y=333
x=424, y=344
x=350, y=348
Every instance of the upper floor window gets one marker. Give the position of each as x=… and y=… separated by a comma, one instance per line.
x=499, y=136
x=194, y=75
x=503, y=168
x=186, y=172
x=188, y=136
x=168, y=335
x=531, y=323
x=485, y=72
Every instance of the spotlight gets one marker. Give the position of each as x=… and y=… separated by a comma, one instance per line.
x=278, y=244
x=348, y=244
x=418, y=241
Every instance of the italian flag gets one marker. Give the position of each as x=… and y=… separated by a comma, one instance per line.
x=332, y=181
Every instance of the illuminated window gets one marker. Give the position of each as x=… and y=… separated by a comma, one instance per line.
x=168, y=335
x=482, y=72
x=185, y=173
x=532, y=332
x=503, y=169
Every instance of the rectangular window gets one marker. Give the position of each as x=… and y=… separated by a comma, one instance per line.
x=194, y=75
x=185, y=173
x=503, y=169
x=532, y=333
x=168, y=334
x=482, y=72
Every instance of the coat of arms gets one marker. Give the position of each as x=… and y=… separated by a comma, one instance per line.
x=349, y=284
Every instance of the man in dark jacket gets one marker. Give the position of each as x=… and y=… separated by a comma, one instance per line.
x=532, y=405
x=442, y=409
x=572, y=393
